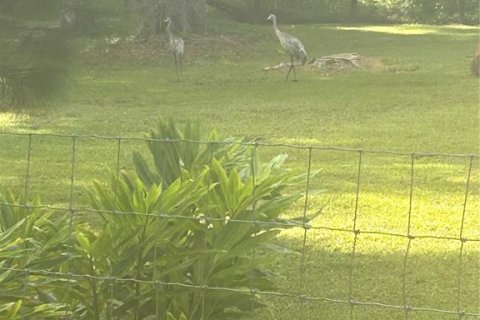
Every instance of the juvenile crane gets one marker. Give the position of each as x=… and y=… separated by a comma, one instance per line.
x=176, y=46
x=291, y=45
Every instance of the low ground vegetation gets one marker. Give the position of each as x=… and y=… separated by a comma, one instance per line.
x=423, y=99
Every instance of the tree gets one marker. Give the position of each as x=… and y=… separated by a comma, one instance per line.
x=461, y=11
x=34, y=50
x=197, y=14
x=187, y=15
x=353, y=9
x=150, y=18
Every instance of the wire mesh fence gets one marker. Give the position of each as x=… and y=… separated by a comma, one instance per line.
x=398, y=236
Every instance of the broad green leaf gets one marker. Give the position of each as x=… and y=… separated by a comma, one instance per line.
x=12, y=313
x=83, y=241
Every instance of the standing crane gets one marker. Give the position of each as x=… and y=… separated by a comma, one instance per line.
x=291, y=45
x=176, y=46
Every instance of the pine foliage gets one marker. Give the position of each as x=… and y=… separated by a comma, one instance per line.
x=34, y=51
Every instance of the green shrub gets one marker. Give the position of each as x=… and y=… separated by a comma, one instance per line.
x=187, y=238
x=174, y=151
x=31, y=239
x=426, y=11
x=187, y=229
x=369, y=11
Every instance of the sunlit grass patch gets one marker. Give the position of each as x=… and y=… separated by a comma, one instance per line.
x=12, y=119
x=400, y=29
x=415, y=29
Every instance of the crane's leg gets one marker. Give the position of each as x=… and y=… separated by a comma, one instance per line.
x=294, y=74
x=180, y=64
x=288, y=73
x=292, y=67
x=176, y=65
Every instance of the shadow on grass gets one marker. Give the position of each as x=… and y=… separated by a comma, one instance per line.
x=376, y=278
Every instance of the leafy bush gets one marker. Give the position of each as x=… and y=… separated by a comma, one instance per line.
x=31, y=239
x=190, y=224
x=376, y=11
x=302, y=12
x=174, y=151
x=183, y=238
x=426, y=11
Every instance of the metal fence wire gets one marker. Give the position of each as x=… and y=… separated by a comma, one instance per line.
x=374, y=229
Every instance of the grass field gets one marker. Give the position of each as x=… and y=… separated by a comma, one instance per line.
x=420, y=99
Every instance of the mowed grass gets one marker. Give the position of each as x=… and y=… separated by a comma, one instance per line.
x=421, y=98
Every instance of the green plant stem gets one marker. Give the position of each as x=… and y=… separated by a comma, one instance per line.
x=94, y=289
x=139, y=268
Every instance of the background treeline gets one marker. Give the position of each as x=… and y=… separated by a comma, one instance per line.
x=368, y=11
x=35, y=38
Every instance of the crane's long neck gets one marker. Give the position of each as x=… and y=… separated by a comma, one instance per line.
x=169, y=33
x=275, y=27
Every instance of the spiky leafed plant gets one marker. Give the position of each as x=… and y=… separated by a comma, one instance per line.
x=33, y=246
x=135, y=246
x=174, y=149
x=190, y=246
x=239, y=213
x=186, y=248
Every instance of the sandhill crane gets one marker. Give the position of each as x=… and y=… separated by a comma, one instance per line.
x=291, y=45
x=176, y=45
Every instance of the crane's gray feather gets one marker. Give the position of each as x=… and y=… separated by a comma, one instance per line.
x=176, y=46
x=291, y=44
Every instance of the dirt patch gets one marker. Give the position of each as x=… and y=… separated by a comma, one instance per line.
x=130, y=50
x=337, y=63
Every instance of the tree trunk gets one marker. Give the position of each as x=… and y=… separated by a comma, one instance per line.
x=461, y=11
x=197, y=14
x=177, y=11
x=187, y=15
x=150, y=15
x=257, y=10
x=353, y=10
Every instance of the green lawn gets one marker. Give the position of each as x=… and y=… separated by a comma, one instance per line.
x=421, y=100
